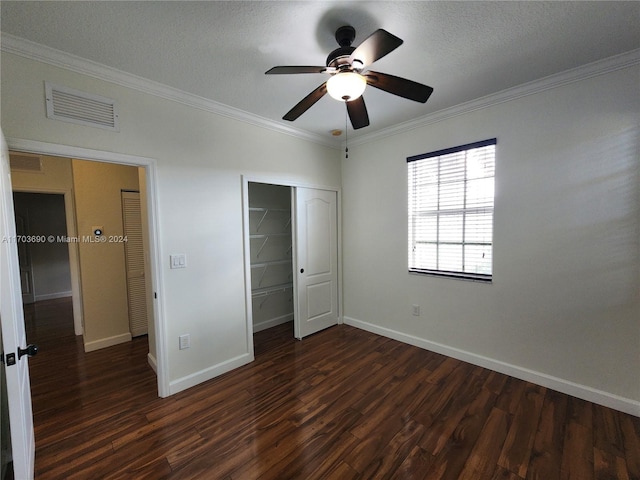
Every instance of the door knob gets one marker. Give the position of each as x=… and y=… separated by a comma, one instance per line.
x=302, y=270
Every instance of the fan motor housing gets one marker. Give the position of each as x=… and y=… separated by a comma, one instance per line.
x=339, y=58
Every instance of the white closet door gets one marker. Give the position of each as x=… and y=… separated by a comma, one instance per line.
x=316, y=235
x=134, y=255
x=13, y=333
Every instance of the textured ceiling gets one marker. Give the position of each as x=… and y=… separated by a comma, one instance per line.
x=220, y=50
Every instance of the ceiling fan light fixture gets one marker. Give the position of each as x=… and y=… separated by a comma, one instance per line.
x=346, y=86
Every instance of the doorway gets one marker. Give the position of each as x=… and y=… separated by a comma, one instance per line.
x=291, y=257
x=108, y=293
x=45, y=272
x=270, y=246
x=146, y=184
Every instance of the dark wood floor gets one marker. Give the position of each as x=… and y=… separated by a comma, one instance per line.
x=341, y=404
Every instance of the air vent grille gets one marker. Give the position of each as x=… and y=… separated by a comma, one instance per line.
x=25, y=163
x=74, y=106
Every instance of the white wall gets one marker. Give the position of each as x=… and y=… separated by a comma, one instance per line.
x=200, y=159
x=564, y=305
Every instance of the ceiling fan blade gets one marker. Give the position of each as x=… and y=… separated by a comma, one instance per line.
x=306, y=103
x=295, y=69
x=399, y=86
x=374, y=47
x=358, y=113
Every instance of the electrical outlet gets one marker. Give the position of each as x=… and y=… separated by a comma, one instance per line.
x=415, y=310
x=185, y=341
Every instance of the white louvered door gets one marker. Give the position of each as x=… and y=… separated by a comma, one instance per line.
x=134, y=255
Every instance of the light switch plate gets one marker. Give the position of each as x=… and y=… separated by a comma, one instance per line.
x=178, y=260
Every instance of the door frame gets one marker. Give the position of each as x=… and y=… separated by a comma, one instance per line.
x=275, y=180
x=155, y=253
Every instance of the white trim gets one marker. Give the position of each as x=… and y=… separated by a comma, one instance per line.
x=600, y=67
x=53, y=296
x=272, y=322
x=51, y=56
x=584, y=392
x=155, y=253
x=209, y=373
x=58, y=150
x=152, y=362
x=107, y=342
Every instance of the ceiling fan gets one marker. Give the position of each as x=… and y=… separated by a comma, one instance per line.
x=347, y=66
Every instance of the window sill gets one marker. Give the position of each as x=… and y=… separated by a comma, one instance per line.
x=454, y=275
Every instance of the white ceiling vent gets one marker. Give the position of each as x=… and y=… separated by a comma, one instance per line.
x=83, y=108
x=25, y=162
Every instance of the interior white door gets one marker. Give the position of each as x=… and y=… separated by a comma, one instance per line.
x=13, y=332
x=316, y=253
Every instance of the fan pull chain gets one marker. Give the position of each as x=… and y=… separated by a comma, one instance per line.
x=346, y=131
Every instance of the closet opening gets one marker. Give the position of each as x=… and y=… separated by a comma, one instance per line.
x=292, y=264
x=271, y=261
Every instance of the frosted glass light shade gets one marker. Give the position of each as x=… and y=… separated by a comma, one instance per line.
x=346, y=86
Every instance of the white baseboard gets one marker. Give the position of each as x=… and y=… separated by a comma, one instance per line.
x=52, y=296
x=152, y=362
x=194, y=379
x=600, y=397
x=258, y=327
x=107, y=342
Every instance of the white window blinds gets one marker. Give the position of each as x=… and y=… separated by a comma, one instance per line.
x=451, y=211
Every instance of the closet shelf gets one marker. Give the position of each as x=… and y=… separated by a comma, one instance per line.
x=263, y=235
x=263, y=209
x=270, y=263
x=261, y=292
x=265, y=212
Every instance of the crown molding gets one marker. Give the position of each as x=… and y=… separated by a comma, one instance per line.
x=600, y=67
x=41, y=53
x=57, y=58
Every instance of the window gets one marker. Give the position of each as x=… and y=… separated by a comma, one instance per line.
x=451, y=211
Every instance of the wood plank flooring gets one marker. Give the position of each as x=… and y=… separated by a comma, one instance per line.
x=342, y=404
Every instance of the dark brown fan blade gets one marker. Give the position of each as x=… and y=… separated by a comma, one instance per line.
x=399, y=86
x=358, y=113
x=294, y=69
x=306, y=103
x=374, y=47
